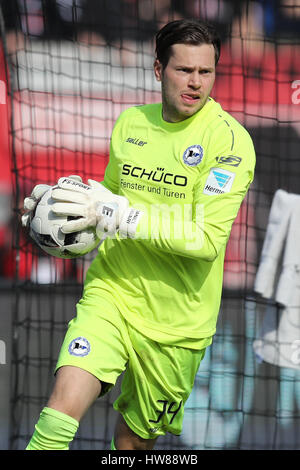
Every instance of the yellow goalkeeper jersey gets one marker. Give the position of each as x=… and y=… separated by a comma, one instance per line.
x=189, y=179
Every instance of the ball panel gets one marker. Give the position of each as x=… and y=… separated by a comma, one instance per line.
x=45, y=229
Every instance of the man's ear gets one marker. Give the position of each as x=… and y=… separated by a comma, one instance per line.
x=158, y=70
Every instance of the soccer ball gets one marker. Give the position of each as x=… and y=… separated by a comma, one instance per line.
x=45, y=229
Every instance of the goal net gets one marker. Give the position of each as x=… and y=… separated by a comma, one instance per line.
x=68, y=68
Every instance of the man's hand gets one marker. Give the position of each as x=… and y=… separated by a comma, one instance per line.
x=32, y=201
x=92, y=205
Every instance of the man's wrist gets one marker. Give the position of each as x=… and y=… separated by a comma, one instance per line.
x=129, y=222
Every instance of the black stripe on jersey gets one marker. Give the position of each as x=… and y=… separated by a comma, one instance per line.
x=232, y=134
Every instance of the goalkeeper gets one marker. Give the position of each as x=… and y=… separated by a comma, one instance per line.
x=177, y=174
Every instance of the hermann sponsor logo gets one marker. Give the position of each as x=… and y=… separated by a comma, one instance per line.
x=219, y=181
x=211, y=189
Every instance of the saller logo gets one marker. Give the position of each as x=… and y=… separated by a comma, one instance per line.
x=158, y=176
x=138, y=142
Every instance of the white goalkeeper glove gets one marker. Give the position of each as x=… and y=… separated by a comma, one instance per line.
x=32, y=201
x=92, y=205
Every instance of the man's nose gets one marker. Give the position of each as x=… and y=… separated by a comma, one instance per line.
x=195, y=80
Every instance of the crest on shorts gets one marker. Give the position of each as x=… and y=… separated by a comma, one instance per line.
x=79, y=347
x=193, y=155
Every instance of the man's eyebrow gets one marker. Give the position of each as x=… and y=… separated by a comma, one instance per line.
x=191, y=67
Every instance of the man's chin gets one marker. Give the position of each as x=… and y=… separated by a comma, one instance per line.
x=191, y=110
x=184, y=112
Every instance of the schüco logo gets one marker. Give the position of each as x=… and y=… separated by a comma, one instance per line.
x=159, y=175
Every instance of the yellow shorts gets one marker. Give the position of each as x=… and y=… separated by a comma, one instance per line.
x=158, y=378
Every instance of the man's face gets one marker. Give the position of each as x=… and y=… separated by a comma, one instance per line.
x=186, y=81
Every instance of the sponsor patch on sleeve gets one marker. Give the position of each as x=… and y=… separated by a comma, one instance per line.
x=231, y=160
x=219, y=181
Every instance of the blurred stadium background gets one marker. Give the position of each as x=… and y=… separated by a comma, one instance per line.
x=67, y=69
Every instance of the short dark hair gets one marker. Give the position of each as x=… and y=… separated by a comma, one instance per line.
x=185, y=32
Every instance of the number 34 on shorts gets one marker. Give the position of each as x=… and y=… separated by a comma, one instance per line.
x=167, y=409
